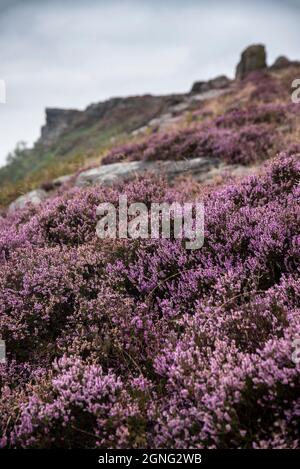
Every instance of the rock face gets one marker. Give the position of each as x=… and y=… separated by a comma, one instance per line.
x=217, y=83
x=108, y=174
x=34, y=197
x=126, y=113
x=57, y=122
x=253, y=58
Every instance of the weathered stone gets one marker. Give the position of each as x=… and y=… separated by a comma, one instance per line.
x=57, y=122
x=60, y=181
x=108, y=174
x=50, y=186
x=211, y=94
x=253, y=58
x=217, y=83
x=283, y=62
x=34, y=197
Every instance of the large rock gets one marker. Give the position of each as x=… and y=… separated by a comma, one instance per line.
x=217, y=83
x=108, y=174
x=50, y=186
x=253, y=58
x=34, y=197
x=60, y=181
x=283, y=62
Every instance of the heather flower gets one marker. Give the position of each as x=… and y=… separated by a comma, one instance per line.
x=142, y=343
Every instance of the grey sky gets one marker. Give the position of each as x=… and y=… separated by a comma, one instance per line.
x=71, y=53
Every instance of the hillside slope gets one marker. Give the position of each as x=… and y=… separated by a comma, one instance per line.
x=142, y=343
x=72, y=139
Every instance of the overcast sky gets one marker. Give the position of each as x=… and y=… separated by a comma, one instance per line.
x=70, y=53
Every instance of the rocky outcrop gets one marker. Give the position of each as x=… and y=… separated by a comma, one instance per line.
x=203, y=170
x=253, y=58
x=50, y=186
x=283, y=62
x=125, y=114
x=58, y=182
x=58, y=121
x=34, y=197
x=108, y=174
x=217, y=83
